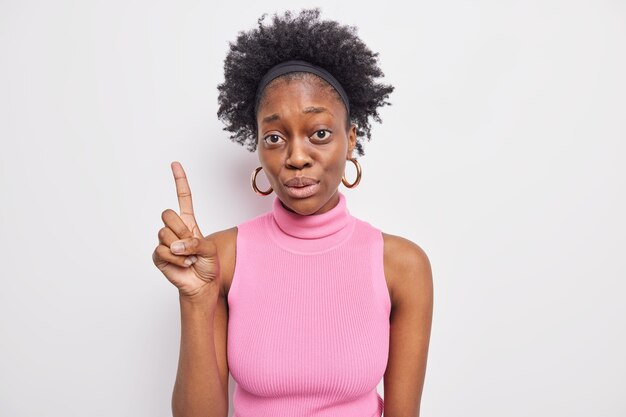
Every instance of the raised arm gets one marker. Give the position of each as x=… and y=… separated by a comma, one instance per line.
x=190, y=261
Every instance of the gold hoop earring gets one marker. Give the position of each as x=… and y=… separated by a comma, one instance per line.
x=254, y=187
x=358, y=175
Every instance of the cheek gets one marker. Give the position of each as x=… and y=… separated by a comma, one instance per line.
x=336, y=166
x=336, y=161
x=267, y=163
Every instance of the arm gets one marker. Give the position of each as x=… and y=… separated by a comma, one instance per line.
x=201, y=387
x=408, y=269
x=198, y=390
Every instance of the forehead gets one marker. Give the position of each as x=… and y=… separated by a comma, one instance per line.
x=299, y=89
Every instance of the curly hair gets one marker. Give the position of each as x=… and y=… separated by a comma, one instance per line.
x=326, y=43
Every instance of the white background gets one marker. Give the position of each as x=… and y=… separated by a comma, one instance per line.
x=502, y=156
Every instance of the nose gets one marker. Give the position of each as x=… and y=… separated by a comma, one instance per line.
x=298, y=156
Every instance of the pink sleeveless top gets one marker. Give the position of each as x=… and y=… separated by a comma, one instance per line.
x=308, y=328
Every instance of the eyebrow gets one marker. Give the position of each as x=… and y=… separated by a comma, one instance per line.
x=306, y=110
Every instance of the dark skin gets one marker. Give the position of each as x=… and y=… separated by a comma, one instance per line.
x=302, y=132
x=299, y=148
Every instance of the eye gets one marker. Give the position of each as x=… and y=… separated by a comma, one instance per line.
x=273, y=139
x=322, y=134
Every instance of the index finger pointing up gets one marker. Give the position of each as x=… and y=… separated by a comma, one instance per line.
x=184, y=197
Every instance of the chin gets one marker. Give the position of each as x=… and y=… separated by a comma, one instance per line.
x=303, y=206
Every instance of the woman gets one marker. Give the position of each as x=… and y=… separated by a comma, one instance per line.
x=316, y=305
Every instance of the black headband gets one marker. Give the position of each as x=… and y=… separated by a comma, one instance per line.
x=299, y=65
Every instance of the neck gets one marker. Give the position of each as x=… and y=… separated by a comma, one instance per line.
x=315, y=232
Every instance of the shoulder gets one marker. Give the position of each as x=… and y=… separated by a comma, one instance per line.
x=226, y=243
x=224, y=237
x=407, y=269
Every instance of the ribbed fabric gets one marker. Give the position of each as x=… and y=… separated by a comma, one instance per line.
x=308, y=328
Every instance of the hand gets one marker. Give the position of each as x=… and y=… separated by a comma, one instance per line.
x=194, y=269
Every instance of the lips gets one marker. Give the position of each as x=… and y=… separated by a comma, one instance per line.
x=301, y=187
x=300, y=182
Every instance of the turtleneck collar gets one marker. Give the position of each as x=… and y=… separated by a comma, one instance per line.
x=311, y=233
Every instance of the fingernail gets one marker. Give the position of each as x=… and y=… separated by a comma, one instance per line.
x=193, y=259
x=188, y=261
x=177, y=247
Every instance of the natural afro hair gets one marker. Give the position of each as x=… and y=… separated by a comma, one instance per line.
x=332, y=46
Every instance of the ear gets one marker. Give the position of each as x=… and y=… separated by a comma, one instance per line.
x=351, y=140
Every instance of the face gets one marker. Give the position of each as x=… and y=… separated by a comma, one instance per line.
x=302, y=139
